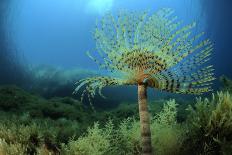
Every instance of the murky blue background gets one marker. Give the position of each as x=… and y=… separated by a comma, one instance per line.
x=59, y=32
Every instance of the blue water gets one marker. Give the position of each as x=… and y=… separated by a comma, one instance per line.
x=59, y=32
x=43, y=46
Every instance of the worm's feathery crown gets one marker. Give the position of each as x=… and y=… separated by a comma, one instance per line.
x=157, y=49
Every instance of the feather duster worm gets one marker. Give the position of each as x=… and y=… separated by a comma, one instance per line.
x=150, y=51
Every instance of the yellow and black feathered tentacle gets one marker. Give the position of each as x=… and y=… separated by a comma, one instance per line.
x=94, y=85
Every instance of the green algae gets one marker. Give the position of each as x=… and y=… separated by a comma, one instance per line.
x=31, y=124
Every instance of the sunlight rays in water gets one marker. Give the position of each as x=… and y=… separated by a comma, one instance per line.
x=99, y=6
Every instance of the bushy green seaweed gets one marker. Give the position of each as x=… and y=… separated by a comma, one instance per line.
x=28, y=129
x=11, y=149
x=14, y=99
x=96, y=141
x=125, y=139
x=210, y=125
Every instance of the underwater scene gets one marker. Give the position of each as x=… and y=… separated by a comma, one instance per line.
x=115, y=77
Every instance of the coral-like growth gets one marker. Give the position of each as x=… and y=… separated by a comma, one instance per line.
x=136, y=47
x=149, y=51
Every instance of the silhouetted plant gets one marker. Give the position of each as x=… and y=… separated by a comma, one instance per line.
x=226, y=83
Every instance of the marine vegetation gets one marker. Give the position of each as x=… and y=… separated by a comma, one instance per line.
x=65, y=127
x=226, y=83
x=210, y=125
x=109, y=139
x=154, y=51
